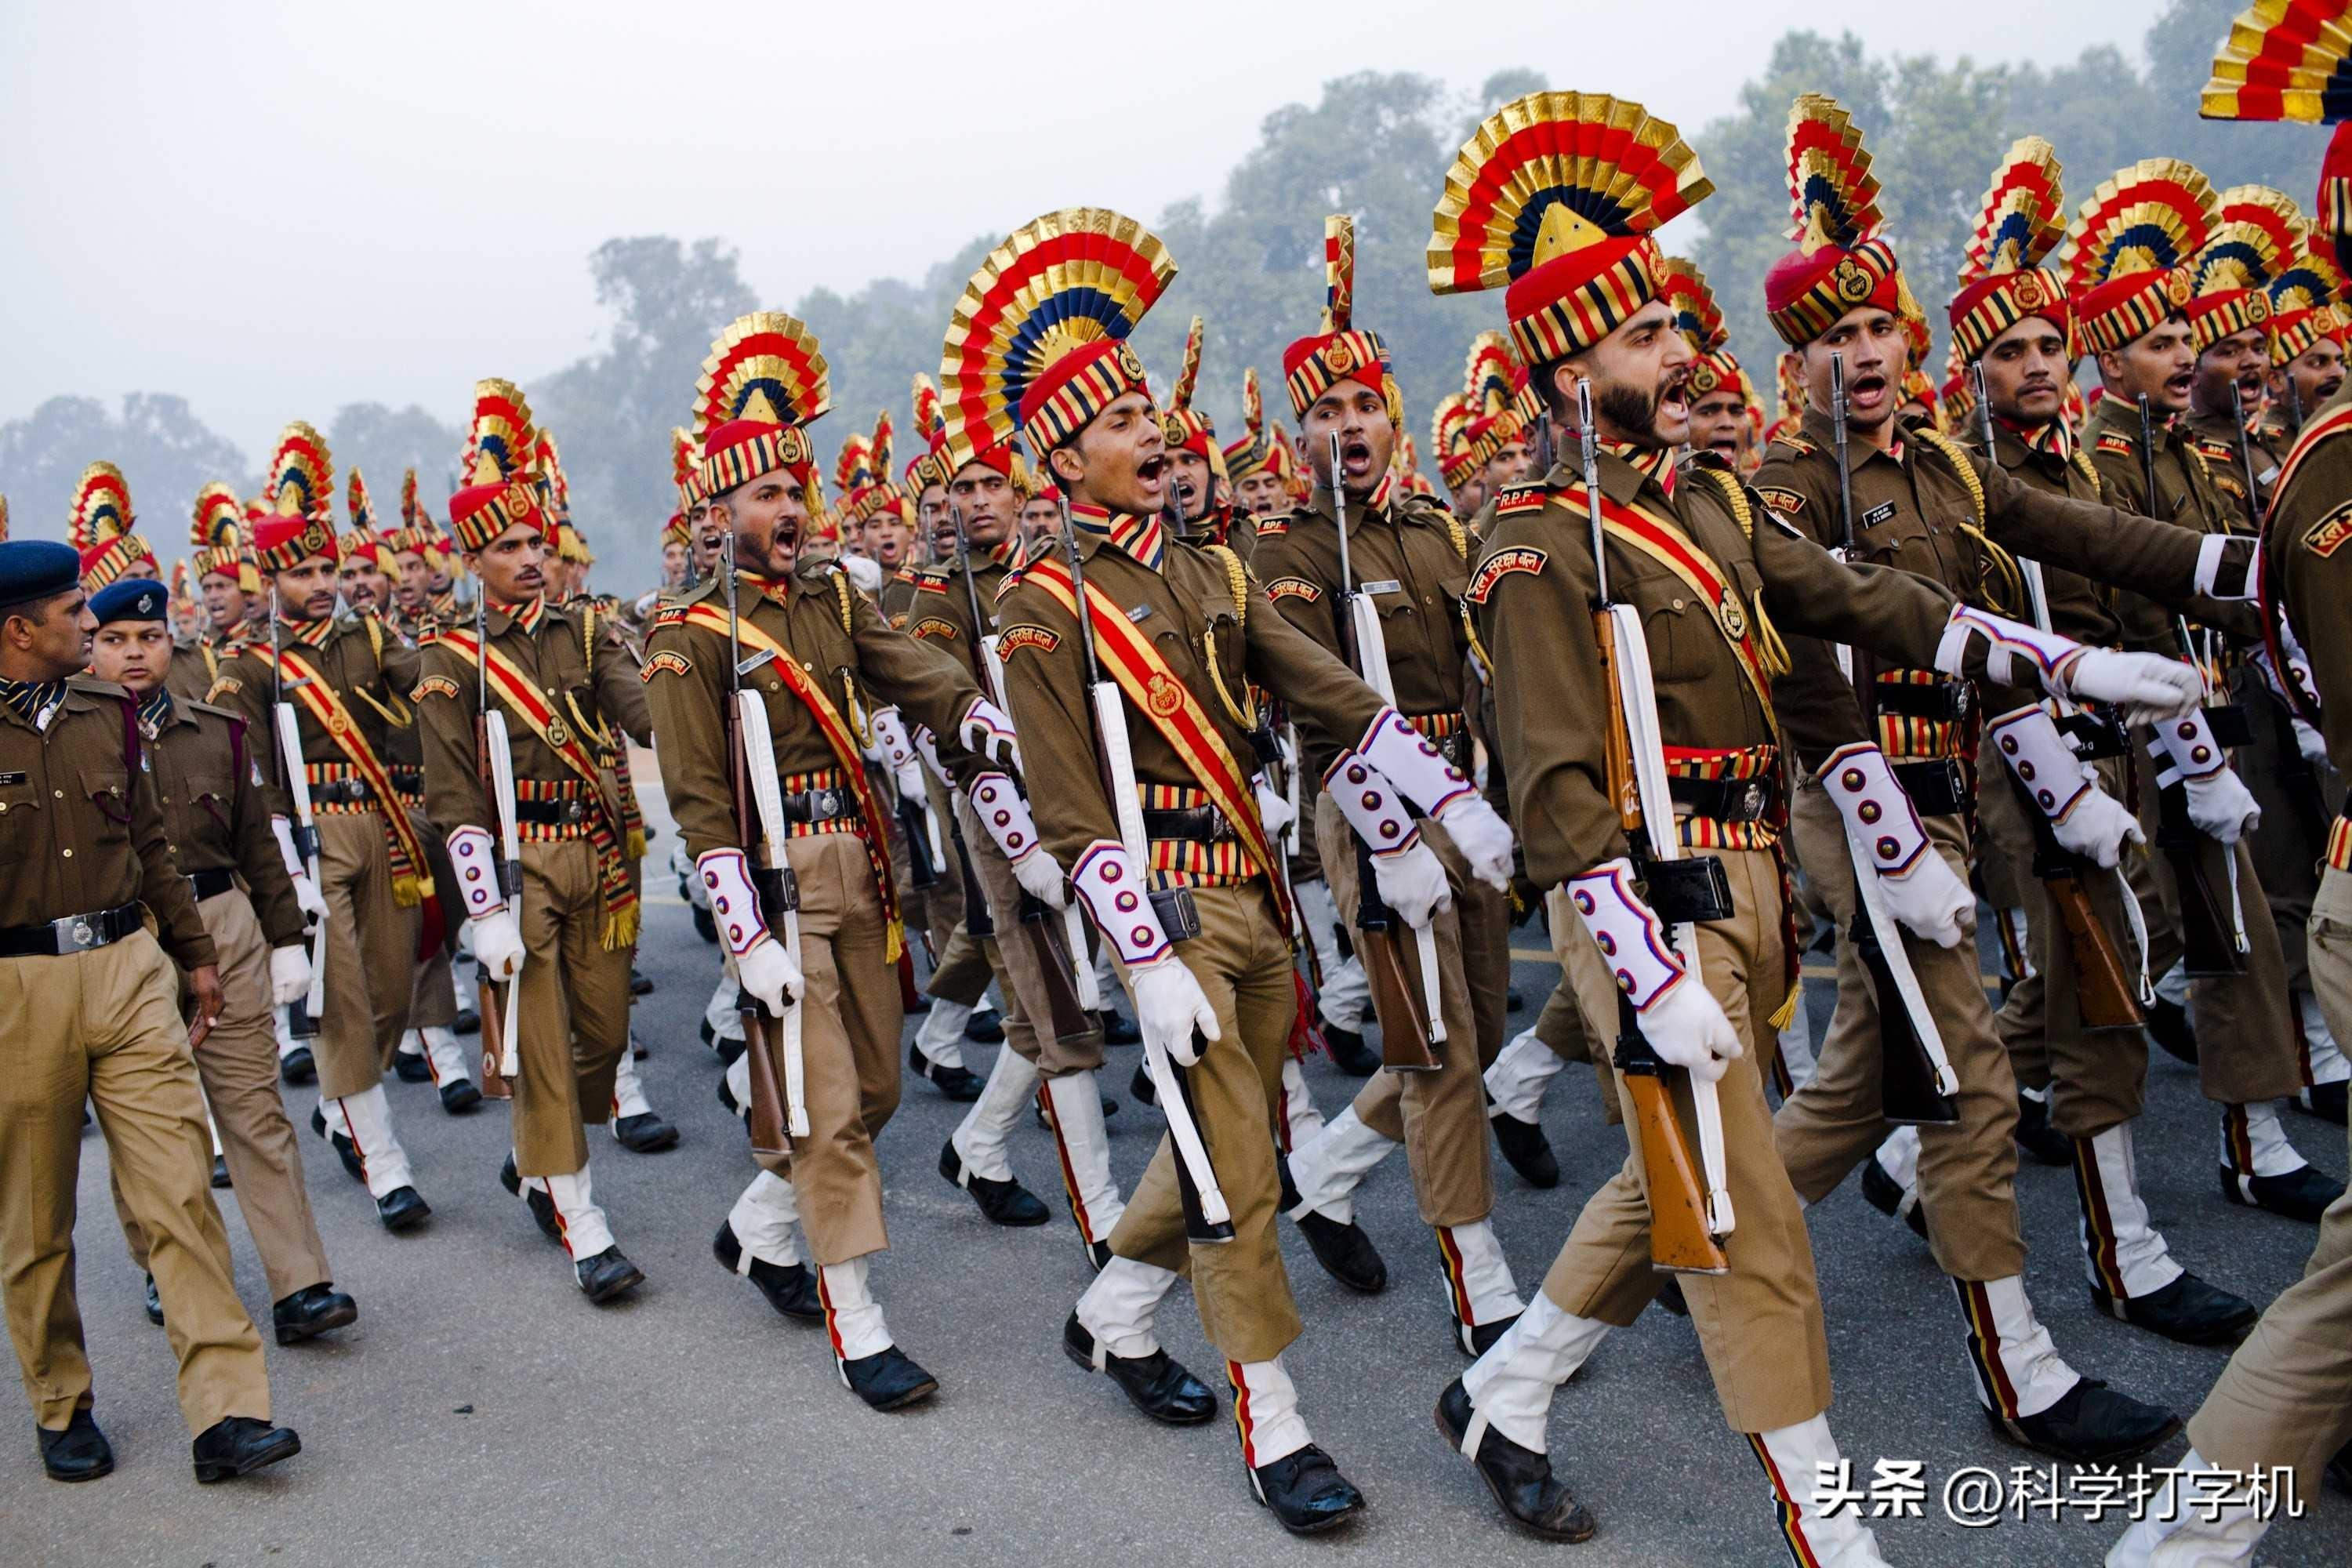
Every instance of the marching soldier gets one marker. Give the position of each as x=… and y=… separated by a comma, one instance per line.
x=345, y=678
x=94, y=1014
x=208, y=782
x=1260, y=464
x=821, y=649
x=1168, y=852
x=1411, y=558
x=100, y=527
x=1203, y=486
x=230, y=585
x=1697, y=562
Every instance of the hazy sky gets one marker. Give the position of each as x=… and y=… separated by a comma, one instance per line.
x=274, y=209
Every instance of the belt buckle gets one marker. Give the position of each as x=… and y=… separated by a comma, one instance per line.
x=83, y=936
x=571, y=811
x=830, y=803
x=1750, y=800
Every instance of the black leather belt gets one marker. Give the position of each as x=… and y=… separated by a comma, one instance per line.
x=205, y=884
x=1937, y=788
x=1946, y=701
x=820, y=804
x=75, y=933
x=1190, y=825
x=341, y=792
x=1728, y=800
x=550, y=813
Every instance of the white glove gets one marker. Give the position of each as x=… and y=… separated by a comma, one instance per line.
x=1042, y=879
x=1687, y=1029
x=768, y=973
x=307, y=896
x=289, y=975
x=2222, y=807
x=1169, y=1006
x=2147, y=686
x=1484, y=839
x=1272, y=810
x=1888, y=841
x=2098, y=828
x=498, y=945
x=2084, y=818
x=2310, y=742
x=1413, y=882
x=1931, y=900
x=865, y=573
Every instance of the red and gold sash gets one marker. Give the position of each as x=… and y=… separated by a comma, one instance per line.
x=522, y=697
x=412, y=883
x=1155, y=691
x=846, y=750
x=1664, y=541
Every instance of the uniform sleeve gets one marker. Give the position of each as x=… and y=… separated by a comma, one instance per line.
x=2309, y=521
x=251, y=701
x=686, y=689
x=446, y=700
x=621, y=696
x=1303, y=596
x=162, y=885
x=259, y=859
x=929, y=685
x=1046, y=690
x=1316, y=683
x=402, y=665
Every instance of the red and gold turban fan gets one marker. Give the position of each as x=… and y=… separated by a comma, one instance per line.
x=1338, y=350
x=2257, y=234
x=2128, y=251
x=2285, y=59
x=2020, y=223
x=1496, y=398
x=1183, y=427
x=764, y=382
x=502, y=484
x=298, y=506
x=99, y=526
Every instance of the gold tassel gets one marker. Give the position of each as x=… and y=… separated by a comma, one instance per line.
x=621, y=930
x=409, y=892
x=1788, y=1009
x=897, y=944
x=636, y=843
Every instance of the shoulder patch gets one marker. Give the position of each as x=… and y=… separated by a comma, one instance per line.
x=898, y=622
x=1785, y=501
x=1522, y=501
x=2328, y=535
x=933, y=627
x=932, y=583
x=1798, y=446
x=669, y=660
x=671, y=615
x=2219, y=451
x=1019, y=637
x=1274, y=526
x=433, y=686
x=1501, y=564
x=225, y=683
x=2116, y=442
x=1293, y=588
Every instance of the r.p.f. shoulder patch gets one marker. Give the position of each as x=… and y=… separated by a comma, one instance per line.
x=2328, y=536
x=1019, y=637
x=2121, y=445
x=1522, y=501
x=1274, y=527
x=1501, y=564
x=669, y=660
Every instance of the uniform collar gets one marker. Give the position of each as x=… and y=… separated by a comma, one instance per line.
x=1140, y=537
x=1320, y=501
x=501, y=617
x=1623, y=469
x=2120, y=417
x=2052, y=438
x=28, y=699
x=777, y=591
x=310, y=634
x=1817, y=426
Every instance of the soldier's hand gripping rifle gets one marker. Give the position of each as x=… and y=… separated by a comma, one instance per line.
x=2105, y=996
x=1916, y=1083
x=1059, y=943
x=2212, y=940
x=286, y=744
x=1207, y=1216
x=1409, y=1044
x=759, y=825
x=1687, y=1221
x=494, y=758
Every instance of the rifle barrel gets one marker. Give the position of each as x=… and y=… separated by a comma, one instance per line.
x=1844, y=466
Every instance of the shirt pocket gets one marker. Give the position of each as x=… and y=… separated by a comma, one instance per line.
x=1679, y=630
x=23, y=828
x=108, y=792
x=214, y=794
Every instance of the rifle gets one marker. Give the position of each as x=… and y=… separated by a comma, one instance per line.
x=1072, y=996
x=1916, y=1083
x=2211, y=943
x=1412, y=1025
x=1207, y=1217
x=494, y=761
x=2104, y=998
x=286, y=748
x=2246, y=452
x=1687, y=1221
x=759, y=821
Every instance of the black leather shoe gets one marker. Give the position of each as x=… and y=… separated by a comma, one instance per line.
x=403, y=1208
x=311, y=1311
x=2339, y=1468
x=410, y=1066
x=1003, y=1203
x=1346, y=1253
x=1350, y=1053
x=646, y=1134
x=728, y=1047
x=1886, y=1197
x=2092, y=1424
x=2168, y=1027
x=542, y=1207
x=2038, y=1138
x=2302, y=1194
x=1142, y=1089
x=1477, y=1339
x=2187, y=1309
x=240, y=1446
x=1512, y=1001
x=1306, y=1491
x=727, y=1098
x=466, y=1021
x=154, y=1303
x=1118, y=1029
x=1520, y=1478
x=348, y=1156
x=221, y=1181
x=791, y=1288
x=78, y=1453
x=706, y=925
x=2328, y=1102
x=1526, y=1150
x=640, y=983
x=709, y=1035
x=985, y=1027
x=1670, y=1296
x=958, y=1084
x=1097, y=1253
x=888, y=1380
x=1282, y=1180
x=637, y=1051
x=607, y=1275
x=298, y=1066
x=461, y=1095
x=1156, y=1384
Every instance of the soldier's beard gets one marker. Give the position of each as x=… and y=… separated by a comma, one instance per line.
x=1633, y=412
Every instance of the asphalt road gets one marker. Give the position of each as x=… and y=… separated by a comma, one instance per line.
x=481, y=1411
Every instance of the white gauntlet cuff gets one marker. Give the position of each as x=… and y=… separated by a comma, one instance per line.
x=1371, y=805
x=1631, y=939
x=1413, y=762
x=1862, y=786
x=1110, y=884
x=474, y=855
x=734, y=902
x=2029, y=741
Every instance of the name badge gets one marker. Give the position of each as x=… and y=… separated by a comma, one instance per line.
x=7, y=779
x=1385, y=585
x=1138, y=615
x=1880, y=513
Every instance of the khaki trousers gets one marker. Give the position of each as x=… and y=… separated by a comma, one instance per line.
x=1824, y=1130
x=1759, y=1324
x=850, y=1017
x=2246, y=1038
x=2292, y=839
x=1019, y=969
x=1440, y=1117
x=105, y=1026
x=371, y=957
x=2286, y=1399
x=433, y=997
x=1242, y=959
x=575, y=1009
x=960, y=971
x=238, y=1065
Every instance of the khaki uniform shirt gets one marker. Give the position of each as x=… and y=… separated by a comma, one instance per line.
x=2308, y=571
x=2187, y=496
x=2077, y=608
x=2215, y=436
x=366, y=664
x=939, y=609
x=212, y=786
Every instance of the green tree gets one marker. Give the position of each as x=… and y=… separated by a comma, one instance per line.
x=166, y=455
x=382, y=443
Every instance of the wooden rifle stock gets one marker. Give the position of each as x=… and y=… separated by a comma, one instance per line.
x=1043, y=931
x=2209, y=942
x=765, y=1119
x=2102, y=993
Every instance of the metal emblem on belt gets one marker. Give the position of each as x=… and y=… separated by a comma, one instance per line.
x=1165, y=695
x=82, y=934
x=558, y=733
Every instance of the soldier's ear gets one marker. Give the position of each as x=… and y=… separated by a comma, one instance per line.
x=1067, y=465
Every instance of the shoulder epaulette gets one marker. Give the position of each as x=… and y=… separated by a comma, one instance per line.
x=1798, y=446
x=1522, y=499
x=92, y=686
x=2116, y=441
x=930, y=580
x=1274, y=525
x=1735, y=495
x=215, y=710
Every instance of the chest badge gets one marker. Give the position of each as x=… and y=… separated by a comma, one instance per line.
x=559, y=733
x=1734, y=618
x=1164, y=696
